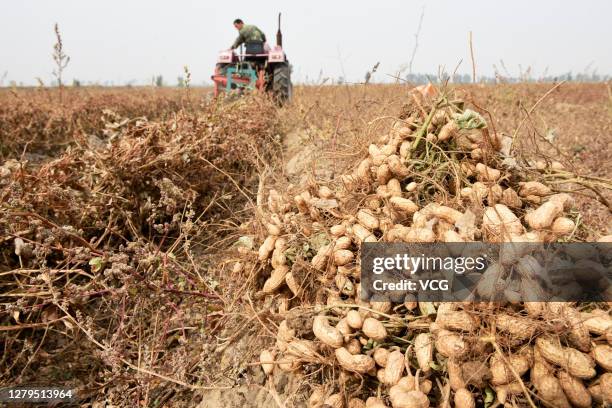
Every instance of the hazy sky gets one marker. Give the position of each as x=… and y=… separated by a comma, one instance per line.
x=128, y=40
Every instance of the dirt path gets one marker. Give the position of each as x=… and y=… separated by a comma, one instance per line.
x=253, y=389
x=303, y=155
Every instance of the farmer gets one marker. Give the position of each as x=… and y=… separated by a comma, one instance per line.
x=253, y=38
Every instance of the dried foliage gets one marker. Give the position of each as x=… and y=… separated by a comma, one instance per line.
x=33, y=123
x=103, y=243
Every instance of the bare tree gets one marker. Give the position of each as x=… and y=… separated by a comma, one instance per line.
x=60, y=58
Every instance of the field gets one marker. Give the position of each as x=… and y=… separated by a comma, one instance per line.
x=142, y=231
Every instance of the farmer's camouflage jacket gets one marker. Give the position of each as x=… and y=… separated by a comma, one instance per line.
x=249, y=33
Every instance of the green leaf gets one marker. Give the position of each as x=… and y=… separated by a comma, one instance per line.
x=435, y=366
x=319, y=240
x=96, y=264
x=469, y=120
x=370, y=345
x=489, y=397
x=427, y=308
x=246, y=241
x=213, y=284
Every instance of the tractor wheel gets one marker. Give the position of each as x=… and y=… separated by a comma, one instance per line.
x=282, y=89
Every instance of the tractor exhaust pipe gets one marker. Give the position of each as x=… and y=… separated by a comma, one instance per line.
x=279, y=34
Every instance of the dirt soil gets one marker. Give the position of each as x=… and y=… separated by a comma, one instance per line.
x=252, y=389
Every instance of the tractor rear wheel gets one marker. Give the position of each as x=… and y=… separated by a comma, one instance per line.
x=282, y=89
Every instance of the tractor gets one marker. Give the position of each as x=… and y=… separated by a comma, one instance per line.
x=258, y=68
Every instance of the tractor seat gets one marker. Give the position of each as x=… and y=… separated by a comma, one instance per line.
x=254, y=47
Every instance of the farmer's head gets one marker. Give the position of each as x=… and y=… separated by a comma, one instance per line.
x=238, y=23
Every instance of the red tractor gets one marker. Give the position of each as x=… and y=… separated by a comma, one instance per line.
x=258, y=68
